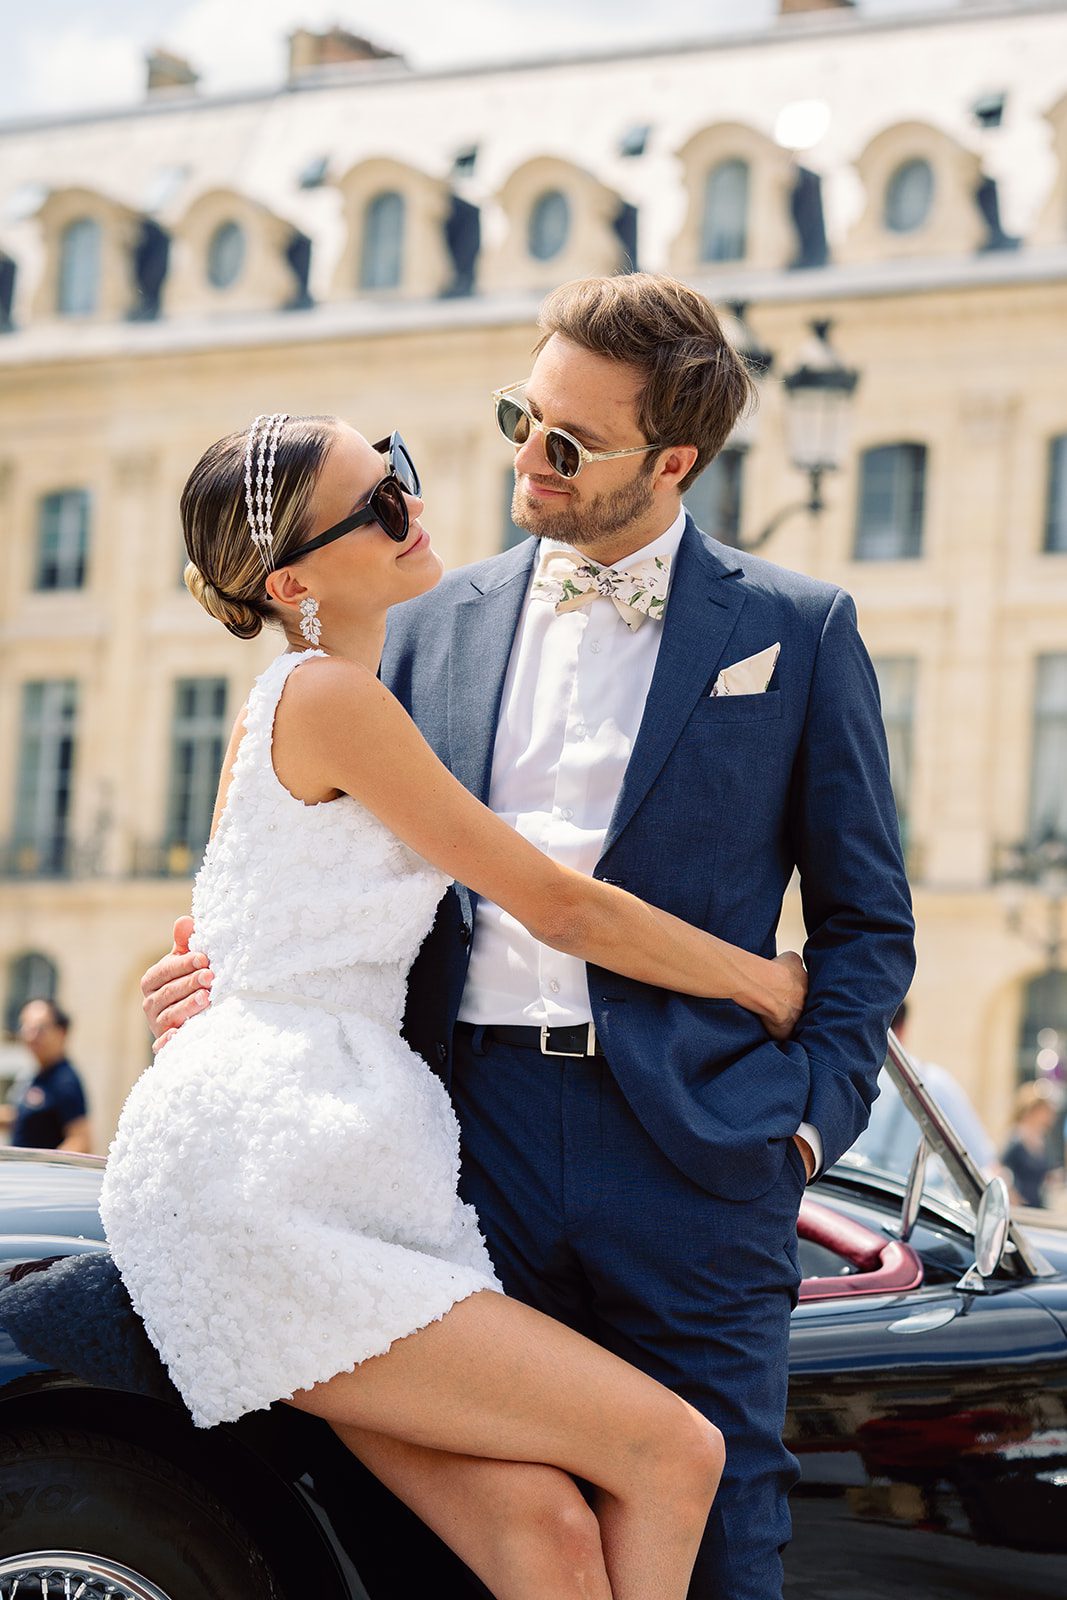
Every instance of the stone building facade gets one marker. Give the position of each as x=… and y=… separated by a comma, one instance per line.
x=373, y=241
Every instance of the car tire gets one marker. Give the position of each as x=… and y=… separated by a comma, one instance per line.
x=68, y=1491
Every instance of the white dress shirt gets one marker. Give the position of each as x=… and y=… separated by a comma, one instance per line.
x=572, y=703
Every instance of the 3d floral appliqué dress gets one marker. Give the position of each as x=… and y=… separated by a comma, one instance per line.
x=280, y=1196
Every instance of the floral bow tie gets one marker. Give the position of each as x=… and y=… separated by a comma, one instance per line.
x=568, y=581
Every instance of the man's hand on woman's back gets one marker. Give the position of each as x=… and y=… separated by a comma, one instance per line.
x=177, y=987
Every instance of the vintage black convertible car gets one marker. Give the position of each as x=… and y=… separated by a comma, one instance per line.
x=928, y=1409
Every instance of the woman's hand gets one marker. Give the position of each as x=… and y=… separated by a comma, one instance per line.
x=788, y=984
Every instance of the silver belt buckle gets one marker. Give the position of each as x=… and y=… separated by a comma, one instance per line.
x=590, y=1043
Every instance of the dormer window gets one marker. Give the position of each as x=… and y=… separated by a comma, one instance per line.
x=549, y=225
x=382, y=257
x=909, y=195
x=226, y=253
x=78, y=285
x=724, y=235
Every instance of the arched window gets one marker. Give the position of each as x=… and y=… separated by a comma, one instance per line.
x=62, y=539
x=29, y=977
x=889, y=521
x=226, y=252
x=909, y=195
x=724, y=232
x=382, y=260
x=79, y=268
x=549, y=224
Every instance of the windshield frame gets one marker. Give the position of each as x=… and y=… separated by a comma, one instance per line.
x=1021, y=1258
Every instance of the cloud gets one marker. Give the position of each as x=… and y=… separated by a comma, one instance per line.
x=65, y=69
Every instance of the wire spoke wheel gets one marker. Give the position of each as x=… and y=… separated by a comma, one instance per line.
x=71, y=1575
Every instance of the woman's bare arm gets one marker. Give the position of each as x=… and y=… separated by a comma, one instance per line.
x=342, y=729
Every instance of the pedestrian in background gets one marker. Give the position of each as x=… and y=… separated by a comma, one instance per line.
x=50, y=1112
x=1026, y=1155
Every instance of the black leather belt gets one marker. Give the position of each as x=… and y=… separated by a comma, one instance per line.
x=578, y=1040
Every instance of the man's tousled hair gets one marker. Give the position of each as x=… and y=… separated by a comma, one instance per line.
x=696, y=385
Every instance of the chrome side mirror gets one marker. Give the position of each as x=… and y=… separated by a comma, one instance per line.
x=990, y=1235
x=991, y=1230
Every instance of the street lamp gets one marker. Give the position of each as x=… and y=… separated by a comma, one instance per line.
x=818, y=412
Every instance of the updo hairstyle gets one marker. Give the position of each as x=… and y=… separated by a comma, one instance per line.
x=225, y=571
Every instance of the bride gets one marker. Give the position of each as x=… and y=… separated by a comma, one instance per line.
x=280, y=1198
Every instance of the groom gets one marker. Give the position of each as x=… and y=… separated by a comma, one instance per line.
x=691, y=724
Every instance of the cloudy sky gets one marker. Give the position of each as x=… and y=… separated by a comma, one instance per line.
x=65, y=55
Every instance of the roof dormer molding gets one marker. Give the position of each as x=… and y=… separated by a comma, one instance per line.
x=561, y=223
x=1051, y=224
x=737, y=184
x=231, y=254
x=89, y=244
x=921, y=187
x=395, y=242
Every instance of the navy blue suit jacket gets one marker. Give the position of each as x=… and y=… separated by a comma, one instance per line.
x=722, y=798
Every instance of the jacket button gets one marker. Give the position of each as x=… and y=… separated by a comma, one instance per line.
x=441, y=1052
x=465, y=933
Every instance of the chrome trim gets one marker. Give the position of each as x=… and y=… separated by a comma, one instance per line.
x=62, y=1158
x=1022, y=1258
x=42, y=1565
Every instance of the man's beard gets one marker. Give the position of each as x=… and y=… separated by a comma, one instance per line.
x=596, y=519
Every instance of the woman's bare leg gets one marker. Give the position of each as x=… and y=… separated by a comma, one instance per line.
x=525, y=1530
x=496, y=1379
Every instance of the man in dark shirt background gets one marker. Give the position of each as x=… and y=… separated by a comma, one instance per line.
x=50, y=1113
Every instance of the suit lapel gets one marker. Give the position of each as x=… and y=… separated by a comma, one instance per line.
x=483, y=631
x=702, y=611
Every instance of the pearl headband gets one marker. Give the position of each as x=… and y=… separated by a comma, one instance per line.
x=259, y=501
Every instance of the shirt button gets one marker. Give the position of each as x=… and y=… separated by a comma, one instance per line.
x=595, y=647
x=553, y=984
x=566, y=813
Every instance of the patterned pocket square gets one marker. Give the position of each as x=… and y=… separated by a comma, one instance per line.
x=750, y=676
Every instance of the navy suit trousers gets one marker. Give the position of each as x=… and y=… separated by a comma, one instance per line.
x=587, y=1220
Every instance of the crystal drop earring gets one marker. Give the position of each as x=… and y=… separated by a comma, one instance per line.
x=310, y=626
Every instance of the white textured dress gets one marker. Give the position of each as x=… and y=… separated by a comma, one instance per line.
x=280, y=1196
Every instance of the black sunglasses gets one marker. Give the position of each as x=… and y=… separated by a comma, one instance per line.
x=385, y=504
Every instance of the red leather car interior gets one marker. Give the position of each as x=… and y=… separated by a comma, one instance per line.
x=882, y=1266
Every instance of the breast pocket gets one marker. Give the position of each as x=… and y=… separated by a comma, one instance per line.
x=734, y=708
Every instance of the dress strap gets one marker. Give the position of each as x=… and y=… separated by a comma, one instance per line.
x=254, y=749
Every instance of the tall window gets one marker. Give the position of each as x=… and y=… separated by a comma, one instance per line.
x=198, y=742
x=714, y=500
x=1056, y=510
x=30, y=976
x=382, y=262
x=45, y=777
x=724, y=234
x=1044, y=1027
x=549, y=225
x=909, y=195
x=1048, y=772
x=896, y=687
x=889, y=522
x=78, y=290
x=510, y=533
x=62, y=539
